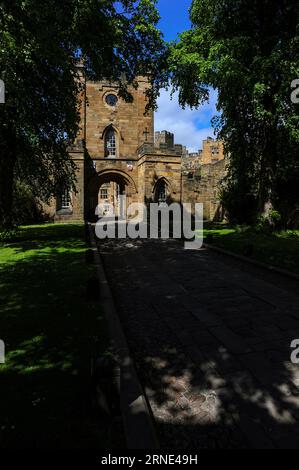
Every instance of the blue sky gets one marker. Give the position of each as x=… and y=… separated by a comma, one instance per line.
x=174, y=17
x=190, y=127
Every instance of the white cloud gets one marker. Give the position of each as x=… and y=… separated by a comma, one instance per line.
x=190, y=127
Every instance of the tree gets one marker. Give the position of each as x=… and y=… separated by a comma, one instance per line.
x=40, y=45
x=248, y=51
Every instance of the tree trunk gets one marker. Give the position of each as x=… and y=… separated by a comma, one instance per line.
x=267, y=170
x=7, y=166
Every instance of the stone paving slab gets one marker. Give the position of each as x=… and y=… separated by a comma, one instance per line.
x=211, y=340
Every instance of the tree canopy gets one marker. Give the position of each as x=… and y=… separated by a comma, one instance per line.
x=248, y=50
x=40, y=45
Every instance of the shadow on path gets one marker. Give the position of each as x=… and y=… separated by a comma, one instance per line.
x=212, y=345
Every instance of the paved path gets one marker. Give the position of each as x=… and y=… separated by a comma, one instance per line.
x=211, y=340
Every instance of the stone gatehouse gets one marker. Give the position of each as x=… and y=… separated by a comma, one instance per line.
x=117, y=152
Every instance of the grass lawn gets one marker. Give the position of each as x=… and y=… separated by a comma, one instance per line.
x=51, y=332
x=279, y=249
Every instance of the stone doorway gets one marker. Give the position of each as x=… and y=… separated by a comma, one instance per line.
x=109, y=198
x=105, y=194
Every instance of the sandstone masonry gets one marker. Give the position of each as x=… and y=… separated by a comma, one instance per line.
x=118, y=153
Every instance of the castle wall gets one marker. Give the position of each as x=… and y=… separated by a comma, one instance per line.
x=203, y=185
x=212, y=151
x=164, y=138
x=144, y=160
x=76, y=211
x=132, y=125
x=158, y=163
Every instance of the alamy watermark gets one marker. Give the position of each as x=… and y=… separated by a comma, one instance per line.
x=155, y=221
x=2, y=352
x=2, y=92
x=295, y=353
x=295, y=92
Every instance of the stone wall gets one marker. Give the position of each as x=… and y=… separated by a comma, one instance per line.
x=212, y=151
x=164, y=137
x=160, y=162
x=76, y=212
x=143, y=162
x=133, y=127
x=202, y=186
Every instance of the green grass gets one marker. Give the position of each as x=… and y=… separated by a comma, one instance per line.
x=51, y=332
x=279, y=249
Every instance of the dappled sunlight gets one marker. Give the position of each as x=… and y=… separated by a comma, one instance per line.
x=197, y=395
x=211, y=341
x=184, y=395
x=35, y=355
x=51, y=332
x=278, y=248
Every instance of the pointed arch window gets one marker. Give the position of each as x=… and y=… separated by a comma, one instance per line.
x=161, y=192
x=110, y=144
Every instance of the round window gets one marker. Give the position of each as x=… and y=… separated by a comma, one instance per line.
x=111, y=99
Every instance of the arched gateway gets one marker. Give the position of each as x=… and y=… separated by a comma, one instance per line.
x=104, y=189
x=116, y=153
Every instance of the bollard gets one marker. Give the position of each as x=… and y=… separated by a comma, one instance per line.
x=105, y=375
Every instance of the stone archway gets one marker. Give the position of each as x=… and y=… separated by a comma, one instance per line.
x=121, y=184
